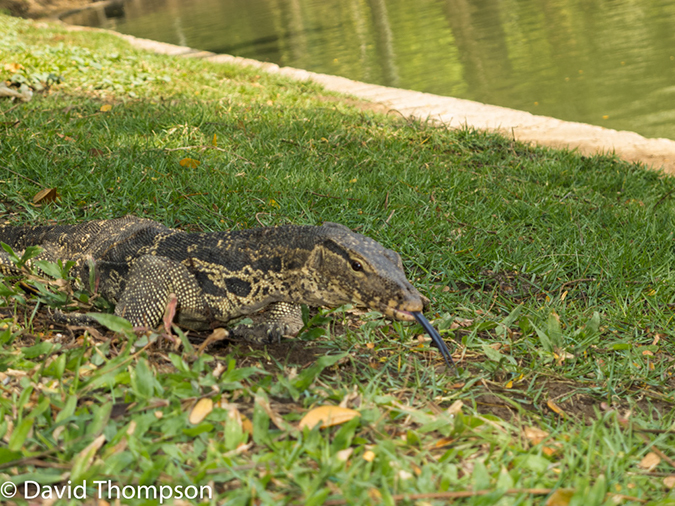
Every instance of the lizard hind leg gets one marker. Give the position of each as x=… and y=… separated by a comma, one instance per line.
x=151, y=282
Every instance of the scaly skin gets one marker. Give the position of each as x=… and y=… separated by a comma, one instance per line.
x=221, y=276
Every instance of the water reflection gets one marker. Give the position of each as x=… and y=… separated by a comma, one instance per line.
x=605, y=62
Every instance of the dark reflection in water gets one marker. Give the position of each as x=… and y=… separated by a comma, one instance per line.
x=607, y=62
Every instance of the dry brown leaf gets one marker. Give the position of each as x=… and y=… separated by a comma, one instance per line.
x=327, y=416
x=560, y=497
x=649, y=461
x=455, y=408
x=669, y=481
x=455, y=386
x=556, y=409
x=8, y=432
x=218, y=334
x=444, y=441
x=535, y=434
x=461, y=323
x=201, y=409
x=343, y=455
x=90, y=450
x=13, y=67
x=548, y=451
x=106, y=108
x=404, y=475
x=190, y=163
x=246, y=425
x=220, y=369
x=274, y=416
x=45, y=196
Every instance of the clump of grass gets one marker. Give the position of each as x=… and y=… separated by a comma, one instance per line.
x=552, y=272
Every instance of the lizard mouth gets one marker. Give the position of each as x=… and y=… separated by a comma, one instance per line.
x=398, y=314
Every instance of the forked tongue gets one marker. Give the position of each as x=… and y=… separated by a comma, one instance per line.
x=436, y=338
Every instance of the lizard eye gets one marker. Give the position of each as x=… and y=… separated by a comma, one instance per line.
x=357, y=266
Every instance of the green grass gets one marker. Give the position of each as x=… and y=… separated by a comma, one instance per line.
x=552, y=272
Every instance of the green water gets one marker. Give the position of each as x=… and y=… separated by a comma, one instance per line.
x=610, y=63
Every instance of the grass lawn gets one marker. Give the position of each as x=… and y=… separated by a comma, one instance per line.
x=551, y=275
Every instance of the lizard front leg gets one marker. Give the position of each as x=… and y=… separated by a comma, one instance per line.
x=149, y=285
x=279, y=319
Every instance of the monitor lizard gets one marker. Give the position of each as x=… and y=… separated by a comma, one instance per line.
x=139, y=264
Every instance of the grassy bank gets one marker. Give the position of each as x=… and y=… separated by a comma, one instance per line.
x=552, y=273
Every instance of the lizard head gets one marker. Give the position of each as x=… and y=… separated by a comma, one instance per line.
x=350, y=268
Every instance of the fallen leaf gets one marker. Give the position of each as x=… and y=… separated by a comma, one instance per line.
x=649, y=461
x=556, y=409
x=535, y=434
x=455, y=408
x=327, y=416
x=404, y=475
x=87, y=455
x=215, y=140
x=460, y=322
x=274, y=416
x=13, y=67
x=548, y=451
x=560, y=497
x=47, y=195
x=369, y=456
x=218, y=334
x=190, y=163
x=343, y=455
x=105, y=108
x=246, y=425
x=444, y=441
x=669, y=481
x=201, y=409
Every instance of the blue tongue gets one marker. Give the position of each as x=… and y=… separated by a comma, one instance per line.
x=436, y=338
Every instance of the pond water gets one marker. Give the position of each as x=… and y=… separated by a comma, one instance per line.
x=605, y=62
